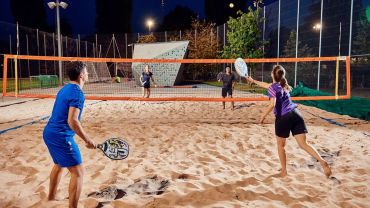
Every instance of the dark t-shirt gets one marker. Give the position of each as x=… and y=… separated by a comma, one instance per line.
x=146, y=77
x=228, y=80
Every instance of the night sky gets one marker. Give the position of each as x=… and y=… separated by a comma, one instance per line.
x=81, y=13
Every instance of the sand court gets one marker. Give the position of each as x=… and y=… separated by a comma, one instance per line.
x=185, y=154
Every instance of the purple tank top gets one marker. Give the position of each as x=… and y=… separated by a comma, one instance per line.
x=283, y=103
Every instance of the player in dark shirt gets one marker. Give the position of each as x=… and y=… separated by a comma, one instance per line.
x=145, y=78
x=228, y=80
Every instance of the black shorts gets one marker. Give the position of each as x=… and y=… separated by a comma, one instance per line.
x=290, y=122
x=227, y=91
x=146, y=86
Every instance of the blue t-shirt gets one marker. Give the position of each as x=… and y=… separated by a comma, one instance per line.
x=146, y=77
x=283, y=103
x=70, y=95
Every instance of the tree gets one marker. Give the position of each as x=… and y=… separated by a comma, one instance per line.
x=113, y=16
x=178, y=19
x=202, y=45
x=30, y=13
x=304, y=68
x=361, y=46
x=361, y=41
x=290, y=47
x=244, y=35
x=147, y=39
x=202, y=37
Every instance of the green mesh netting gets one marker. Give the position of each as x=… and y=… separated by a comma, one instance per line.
x=355, y=107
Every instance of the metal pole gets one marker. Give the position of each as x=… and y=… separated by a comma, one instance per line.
x=11, y=52
x=195, y=36
x=321, y=26
x=180, y=34
x=67, y=54
x=224, y=35
x=28, y=61
x=76, y=47
x=263, y=37
x=16, y=63
x=278, y=43
x=61, y=38
x=296, y=46
x=350, y=31
x=46, y=68
x=100, y=51
x=54, y=53
x=126, y=43
x=114, y=47
x=94, y=50
x=165, y=36
x=85, y=48
x=217, y=37
x=96, y=44
x=17, y=39
x=211, y=35
x=59, y=44
x=340, y=37
x=10, y=44
x=224, y=65
x=38, y=48
x=79, y=45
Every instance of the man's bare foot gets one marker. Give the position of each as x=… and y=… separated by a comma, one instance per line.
x=51, y=197
x=283, y=174
x=326, y=168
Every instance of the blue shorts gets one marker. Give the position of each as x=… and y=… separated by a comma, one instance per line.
x=64, y=151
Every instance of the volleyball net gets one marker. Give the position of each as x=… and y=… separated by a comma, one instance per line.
x=174, y=79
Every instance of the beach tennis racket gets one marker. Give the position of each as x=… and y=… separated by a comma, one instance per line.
x=241, y=67
x=219, y=76
x=115, y=148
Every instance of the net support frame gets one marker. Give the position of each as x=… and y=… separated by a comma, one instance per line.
x=194, y=99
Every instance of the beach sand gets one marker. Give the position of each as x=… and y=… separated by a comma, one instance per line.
x=187, y=155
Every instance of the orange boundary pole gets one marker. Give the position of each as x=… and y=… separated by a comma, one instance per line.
x=5, y=75
x=348, y=75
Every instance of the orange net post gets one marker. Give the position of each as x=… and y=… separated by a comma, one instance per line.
x=5, y=75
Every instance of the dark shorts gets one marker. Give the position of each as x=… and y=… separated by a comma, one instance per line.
x=290, y=122
x=227, y=91
x=146, y=85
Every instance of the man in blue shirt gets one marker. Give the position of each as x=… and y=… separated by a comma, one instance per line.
x=60, y=130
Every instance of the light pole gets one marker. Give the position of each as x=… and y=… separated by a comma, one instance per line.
x=149, y=23
x=64, y=5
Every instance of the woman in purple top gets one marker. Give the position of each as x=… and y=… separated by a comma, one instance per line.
x=288, y=119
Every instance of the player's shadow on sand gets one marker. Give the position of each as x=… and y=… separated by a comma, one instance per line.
x=244, y=105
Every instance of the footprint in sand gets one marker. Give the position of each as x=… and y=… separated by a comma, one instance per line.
x=335, y=180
